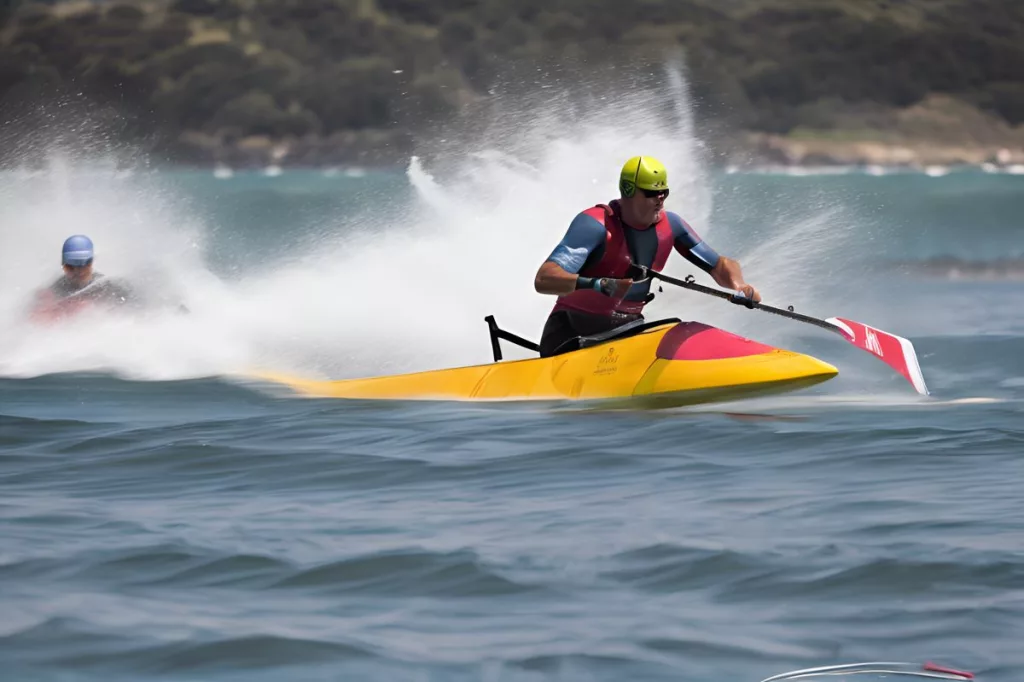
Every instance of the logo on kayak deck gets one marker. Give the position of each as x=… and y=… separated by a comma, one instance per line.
x=871, y=342
x=606, y=363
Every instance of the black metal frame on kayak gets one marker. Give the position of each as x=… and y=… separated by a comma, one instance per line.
x=575, y=343
x=640, y=272
x=498, y=333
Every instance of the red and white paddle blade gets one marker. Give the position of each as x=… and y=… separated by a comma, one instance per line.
x=895, y=351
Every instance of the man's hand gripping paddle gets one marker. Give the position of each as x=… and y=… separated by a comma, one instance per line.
x=895, y=351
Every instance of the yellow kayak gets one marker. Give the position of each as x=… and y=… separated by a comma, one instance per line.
x=657, y=364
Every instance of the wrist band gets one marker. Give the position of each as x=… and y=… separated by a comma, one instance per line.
x=586, y=283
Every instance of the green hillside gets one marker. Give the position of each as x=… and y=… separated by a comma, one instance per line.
x=194, y=79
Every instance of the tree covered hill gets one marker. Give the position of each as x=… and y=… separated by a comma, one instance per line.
x=346, y=78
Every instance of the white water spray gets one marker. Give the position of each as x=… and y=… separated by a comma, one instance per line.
x=388, y=288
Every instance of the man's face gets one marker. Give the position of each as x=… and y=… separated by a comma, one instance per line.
x=648, y=204
x=79, y=275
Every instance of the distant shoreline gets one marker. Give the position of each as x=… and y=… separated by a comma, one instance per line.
x=741, y=152
x=922, y=154
x=745, y=150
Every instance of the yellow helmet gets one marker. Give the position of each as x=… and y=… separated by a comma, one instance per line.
x=643, y=172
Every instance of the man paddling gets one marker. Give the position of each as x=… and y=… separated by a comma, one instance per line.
x=80, y=285
x=588, y=269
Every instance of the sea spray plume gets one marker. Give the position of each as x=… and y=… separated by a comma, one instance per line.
x=399, y=283
x=490, y=200
x=78, y=180
x=137, y=229
x=489, y=203
x=539, y=159
x=51, y=122
x=139, y=235
x=69, y=171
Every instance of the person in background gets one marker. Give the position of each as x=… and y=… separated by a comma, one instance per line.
x=80, y=285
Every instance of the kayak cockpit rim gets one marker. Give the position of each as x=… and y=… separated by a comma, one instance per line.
x=577, y=342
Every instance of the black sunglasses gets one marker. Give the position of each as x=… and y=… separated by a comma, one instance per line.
x=76, y=267
x=651, y=193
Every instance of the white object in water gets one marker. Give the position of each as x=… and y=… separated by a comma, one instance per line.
x=926, y=670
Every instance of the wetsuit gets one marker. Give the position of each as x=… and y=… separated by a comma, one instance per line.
x=599, y=244
x=64, y=297
x=99, y=288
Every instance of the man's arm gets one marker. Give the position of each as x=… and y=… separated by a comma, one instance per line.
x=725, y=271
x=559, y=274
x=552, y=278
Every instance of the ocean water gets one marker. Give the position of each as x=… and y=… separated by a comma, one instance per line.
x=162, y=517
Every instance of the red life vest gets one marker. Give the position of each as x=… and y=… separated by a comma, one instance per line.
x=615, y=263
x=48, y=307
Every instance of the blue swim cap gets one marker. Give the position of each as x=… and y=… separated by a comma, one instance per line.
x=77, y=250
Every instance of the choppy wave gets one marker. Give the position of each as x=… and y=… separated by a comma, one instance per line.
x=211, y=532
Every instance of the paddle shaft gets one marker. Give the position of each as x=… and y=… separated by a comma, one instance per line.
x=739, y=300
